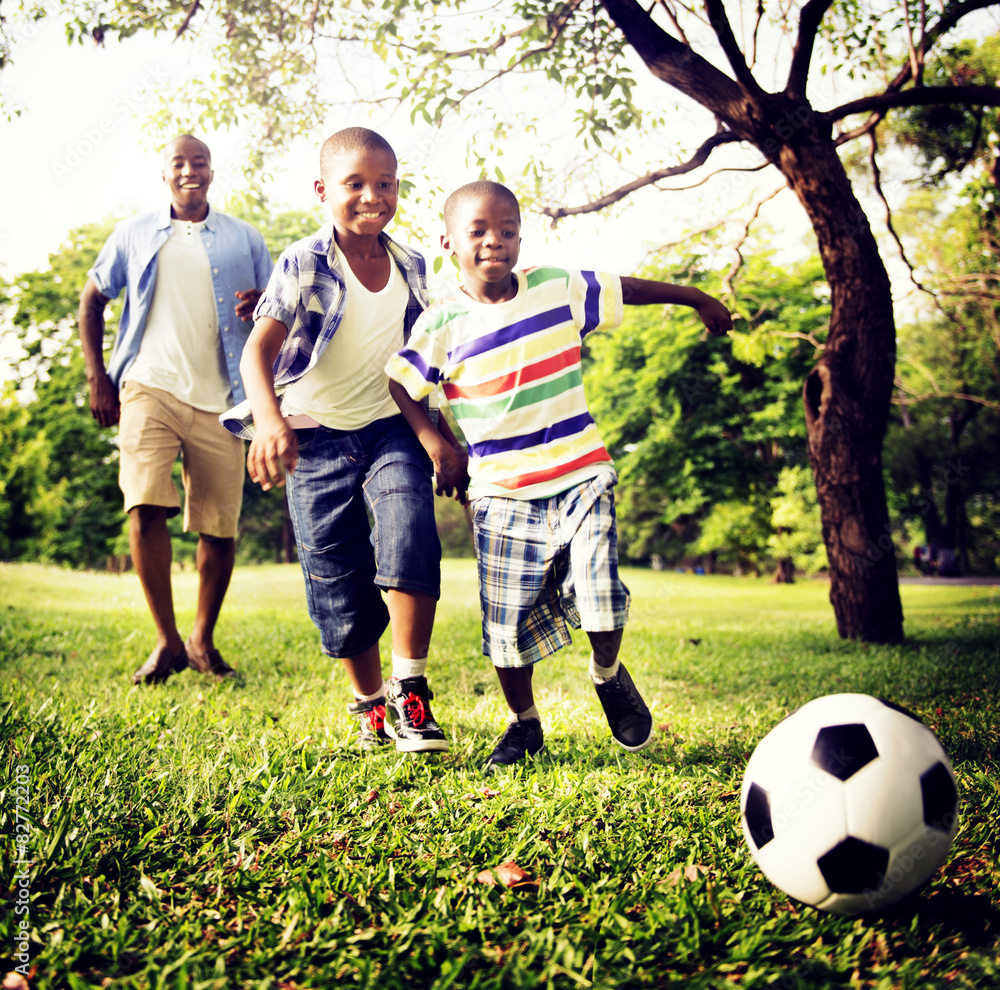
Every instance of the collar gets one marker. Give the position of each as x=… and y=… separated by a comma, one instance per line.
x=163, y=218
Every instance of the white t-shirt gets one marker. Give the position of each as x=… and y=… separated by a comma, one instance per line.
x=347, y=388
x=181, y=352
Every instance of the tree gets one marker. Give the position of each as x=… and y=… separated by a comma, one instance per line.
x=271, y=57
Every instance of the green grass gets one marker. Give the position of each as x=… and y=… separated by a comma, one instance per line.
x=204, y=835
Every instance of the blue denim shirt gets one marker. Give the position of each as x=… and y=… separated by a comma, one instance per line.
x=239, y=260
x=307, y=293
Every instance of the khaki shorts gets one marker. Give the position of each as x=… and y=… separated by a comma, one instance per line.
x=153, y=429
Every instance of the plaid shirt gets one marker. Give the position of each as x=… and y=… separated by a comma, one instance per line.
x=307, y=293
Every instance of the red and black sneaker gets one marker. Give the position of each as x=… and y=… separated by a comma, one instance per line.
x=371, y=722
x=408, y=716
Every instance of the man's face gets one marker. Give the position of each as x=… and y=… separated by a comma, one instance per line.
x=361, y=190
x=485, y=238
x=187, y=171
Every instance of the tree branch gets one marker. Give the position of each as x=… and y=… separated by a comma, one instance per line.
x=805, y=42
x=556, y=213
x=191, y=11
x=724, y=32
x=917, y=97
x=677, y=64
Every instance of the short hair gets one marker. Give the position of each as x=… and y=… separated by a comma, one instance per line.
x=483, y=189
x=180, y=137
x=352, y=139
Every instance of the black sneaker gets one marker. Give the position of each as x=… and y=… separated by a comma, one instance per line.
x=409, y=718
x=627, y=714
x=521, y=739
x=371, y=722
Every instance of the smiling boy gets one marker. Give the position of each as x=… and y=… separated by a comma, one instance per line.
x=505, y=350
x=338, y=305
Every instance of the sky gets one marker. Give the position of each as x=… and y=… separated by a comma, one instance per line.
x=78, y=154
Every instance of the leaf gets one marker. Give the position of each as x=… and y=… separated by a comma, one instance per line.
x=507, y=874
x=691, y=872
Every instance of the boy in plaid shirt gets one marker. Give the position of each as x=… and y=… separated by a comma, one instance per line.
x=337, y=306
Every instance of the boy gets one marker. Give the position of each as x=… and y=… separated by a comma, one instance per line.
x=506, y=350
x=337, y=306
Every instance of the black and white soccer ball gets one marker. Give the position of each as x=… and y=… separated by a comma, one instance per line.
x=849, y=804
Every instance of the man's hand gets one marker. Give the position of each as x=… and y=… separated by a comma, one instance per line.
x=717, y=319
x=273, y=450
x=247, y=304
x=104, y=405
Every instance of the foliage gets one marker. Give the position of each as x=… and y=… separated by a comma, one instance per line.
x=796, y=522
x=695, y=423
x=947, y=139
x=241, y=841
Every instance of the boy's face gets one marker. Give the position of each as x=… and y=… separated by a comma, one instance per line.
x=361, y=190
x=187, y=171
x=485, y=238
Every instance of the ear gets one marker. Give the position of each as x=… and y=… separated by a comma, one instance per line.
x=446, y=244
x=320, y=187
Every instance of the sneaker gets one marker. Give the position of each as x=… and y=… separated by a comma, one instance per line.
x=627, y=714
x=521, y=739
x=371, y=723
x=409, y=718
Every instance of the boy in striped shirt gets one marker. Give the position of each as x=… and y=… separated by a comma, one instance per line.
x=506, y=352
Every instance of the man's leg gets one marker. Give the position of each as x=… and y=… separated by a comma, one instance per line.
x=152, y=555
x=215, y=559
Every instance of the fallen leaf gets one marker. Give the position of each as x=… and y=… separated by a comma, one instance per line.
x=508, y=874
x=15, y=981
x=372, y=794
x=690, y=873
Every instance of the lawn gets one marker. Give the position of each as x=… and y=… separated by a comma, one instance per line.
x=198, y=834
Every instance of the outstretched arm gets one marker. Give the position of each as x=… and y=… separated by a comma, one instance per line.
x=449, y=459
x=648, y=292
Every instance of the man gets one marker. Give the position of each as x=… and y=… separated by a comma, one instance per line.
x=192, y=278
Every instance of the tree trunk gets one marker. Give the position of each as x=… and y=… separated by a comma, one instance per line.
x=847, y=395
x=785, y=571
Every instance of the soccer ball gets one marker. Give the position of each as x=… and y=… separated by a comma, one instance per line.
x=849, y=804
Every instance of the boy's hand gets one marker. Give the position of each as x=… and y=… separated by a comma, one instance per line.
x=273, y=450
x=717, y=319
x=451, y=471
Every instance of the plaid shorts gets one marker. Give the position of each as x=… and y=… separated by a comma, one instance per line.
x=544, y=565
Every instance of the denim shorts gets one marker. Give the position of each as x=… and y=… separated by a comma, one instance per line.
x=546, y=564
x=340, y=478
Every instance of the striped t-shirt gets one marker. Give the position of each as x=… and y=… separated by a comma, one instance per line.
x=511, y=373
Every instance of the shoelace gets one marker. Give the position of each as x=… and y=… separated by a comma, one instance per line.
x=376, y=717
x=415, y=710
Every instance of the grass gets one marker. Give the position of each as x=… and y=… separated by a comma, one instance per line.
x=204, y=835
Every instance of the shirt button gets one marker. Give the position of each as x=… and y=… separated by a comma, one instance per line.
x=236, y=381
x=216, y=270
x=230, y=353
x=220, y=298
x=225, y=329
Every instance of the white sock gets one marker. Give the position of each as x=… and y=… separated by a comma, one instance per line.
x=370, y=697
x=405, y=667
x=599, y=674
x=531, y=712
